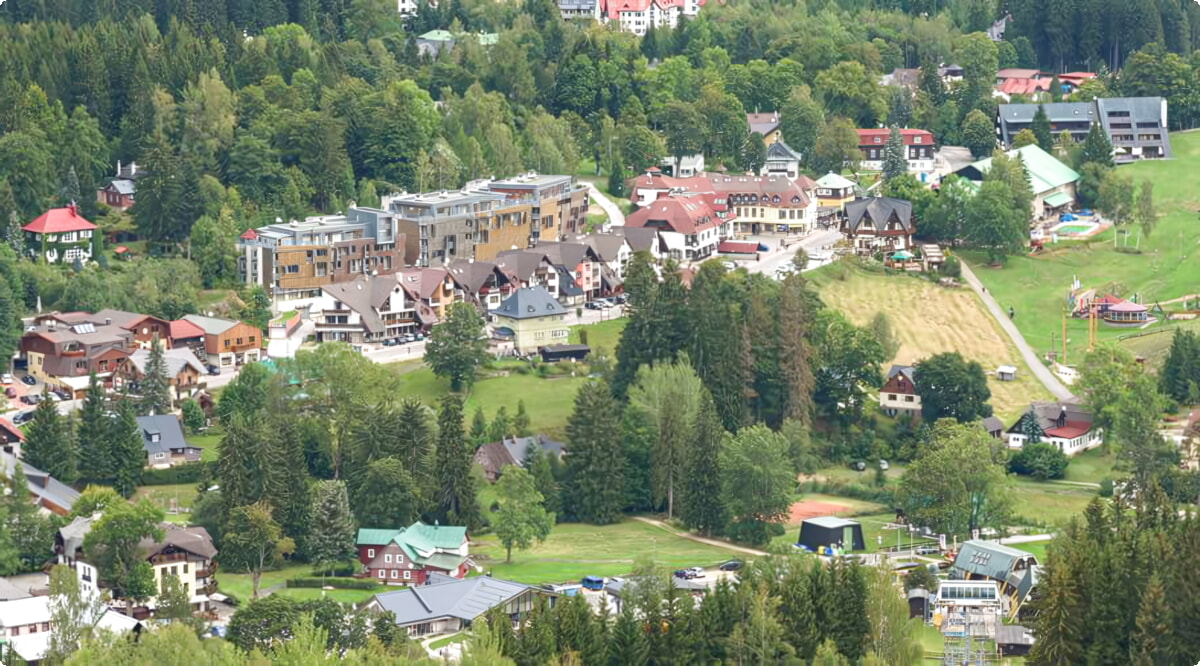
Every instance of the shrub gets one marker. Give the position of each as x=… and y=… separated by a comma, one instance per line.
x=952, y=267
x=335, y=583
x=1106, y=487
x=1041, y=461
x=185, y=473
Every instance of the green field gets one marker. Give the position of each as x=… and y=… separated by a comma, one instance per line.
x=1091, y=466
x=575, y=550
x=604, y=335
x=239, y=585
x=208, y=443
x=180, y=495
x=1049, y=503
x=1168, y=267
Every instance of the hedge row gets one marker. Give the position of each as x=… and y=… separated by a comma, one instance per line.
x=185, y=473
x=336, y=583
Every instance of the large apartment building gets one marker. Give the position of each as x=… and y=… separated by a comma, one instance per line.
x=294, y=260
x=559, y=204
x=439, y=227
x=1136, y=126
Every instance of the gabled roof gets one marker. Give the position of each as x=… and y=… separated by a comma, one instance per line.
x=529, y=303
x=879, y=211
x=170, y=433
x=781, y=151
x=520, y=264
x=27, y=610
x=763, y=123
x=40, y=484
x=472, y=275
x=210, y=325
x=182, y=329
x=639, y=239
x=988, y=558
x=1075, y=419
x=123, y=186
x=194, y=540
x=12, y=429
x=831, y=522
x=365, y=295
x=176, y=360
x=1046, y=172
x=685, y=215
x=566, y=254
x=59, y=220
x=907, y=136
x=1016, y=73
x=422, y=282
x=897, y=369
x=492, y=457
x=606, y=246
x=834, y=181
x=465, y=599
x=418, y=535
x=437, y=36
x=992, y=424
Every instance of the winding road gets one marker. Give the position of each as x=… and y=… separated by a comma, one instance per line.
x=615, y=217
x=1040, y=371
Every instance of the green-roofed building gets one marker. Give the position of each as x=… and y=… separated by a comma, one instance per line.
x=1051, y=182
x=407, y=556
x=434, y=42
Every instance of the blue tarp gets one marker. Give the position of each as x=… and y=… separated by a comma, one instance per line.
x=1066, y=217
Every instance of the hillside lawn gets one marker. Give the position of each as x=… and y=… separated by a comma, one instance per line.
x=239, y=585
x=575, y=550
x=1168, y=267
x=929, y=319
x=183, y=494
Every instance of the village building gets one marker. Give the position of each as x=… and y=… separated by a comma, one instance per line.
x=493, y=457
x=228, y=343
x=689, y=228
x=1066, y=426
x=1016, y=571
x=531, y=318
x=60, y=235
x=918, y=150
x=118, y=193
x=445, y=605
x=899, y=393
x=835, y=191
x=879, y=225
x=163, y=440
x=409, y=555
x=1136, y=127
x=1052, y=183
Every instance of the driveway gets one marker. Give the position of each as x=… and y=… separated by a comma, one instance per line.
x=615, y=217
x=779, y=258
x=699, y=539
x=1043, y=374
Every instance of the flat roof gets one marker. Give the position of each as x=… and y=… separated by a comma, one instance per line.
x=832, y=522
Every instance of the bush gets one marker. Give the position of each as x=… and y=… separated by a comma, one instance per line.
x=185, y=473
x=335, y=583
x=345, y=570
x=1106, y=487
x=852, y=490
x=1041, y=461
x=952, y=267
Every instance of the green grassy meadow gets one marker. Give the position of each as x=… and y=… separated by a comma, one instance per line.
x=239, y=585
x=575, y=550
x=1167, y=268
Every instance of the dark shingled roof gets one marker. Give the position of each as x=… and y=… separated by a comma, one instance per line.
x=529, y=303
x=879, y=211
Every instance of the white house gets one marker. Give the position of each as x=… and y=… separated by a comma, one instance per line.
x=687, y=225
x=1066, y=426
x=366, y=309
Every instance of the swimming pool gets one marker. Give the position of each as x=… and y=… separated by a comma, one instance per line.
x=1073, y=228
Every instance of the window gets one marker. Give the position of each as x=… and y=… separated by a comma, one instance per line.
x=878, y=139
x=908, y=398
x=387, y=558
x=158, y=456
x=382, y=573
x=407, y=574
x=15, y=631
x=916, y=139
x=394, y=573
x=185, y=568
x=370, y=552
x=228, y=342
x=892, y=396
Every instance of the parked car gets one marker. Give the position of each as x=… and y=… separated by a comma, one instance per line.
x=883, y=465
x=61, y=395
x=53, y=396
x=29, y=380
x=420, y=337
x=927, y=550
x=681, y=573
x=391, y=342
x=858, y=466
x=730, y=565
x=593, y=305
x=31, y=399
x=592, y=583
x=621, y=298
x=213, y=370
x=6, y=378
x=696, y=572
x=22, y=417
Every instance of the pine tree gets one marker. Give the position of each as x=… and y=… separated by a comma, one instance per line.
x=895, y=162
x=155, y=386
x=538, y=464
x=627, y=641
x=520, y=422
x=1147, y=644
x=93, y=434
x=457, y=503
x=1041, y=129
x=703, y=506
x=126, y=450
x=416, y=441
x=14, y=235
x=236, y=460
x=479, y=427
x=49, y=443
x=595, y=467
x=1058, y=618
x=70, y=187
x=500, y=428
x=1097, y=148
x=331, y=536
x=1145, y=212
x=794, y=349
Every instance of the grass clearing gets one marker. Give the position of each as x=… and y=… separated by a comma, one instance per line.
x=928, y=320
x=575, y=550
x=1038, y=548
x=1091, y=466
x=1167, y=268
x=178, y=498
x=1049, y=503
x=548, y=401
x=602, y=335
x=443, y=642
x=208, y=442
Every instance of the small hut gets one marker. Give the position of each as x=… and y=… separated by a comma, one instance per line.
x=817, y=533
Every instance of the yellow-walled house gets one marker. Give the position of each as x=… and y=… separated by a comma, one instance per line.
x=531, y=318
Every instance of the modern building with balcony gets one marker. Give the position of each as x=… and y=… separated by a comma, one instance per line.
x=294, y=260
x=1136, y=126
x=368, y=309
x=559, y=203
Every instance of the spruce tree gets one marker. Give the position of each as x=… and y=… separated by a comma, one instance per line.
x=331, y=534
x=14, y=234
x=479, y=428
x=126, y=450
x=1097, y=148
x=155, y=385
x=703, y=505
x=456, y=501
x=1058, y=618
x=500, y=428
x=794, y=349
x=31, y=532
x=49, y=443
x=595, y=466
x=520, y=422
x=627, y=641
x=538, y=464
x=851, y=625
x=895, y=162
x=92, y=436
x=1041, y=129
x=416, y=440
x=236, y=459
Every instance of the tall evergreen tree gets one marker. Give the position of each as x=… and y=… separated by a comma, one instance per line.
x=703, y=506
x=717, y=330
x=236, y=461
x=50, y=443
x=93, y=434
x=627, y=641
x=126, y=451
x=331, y=535
x=1097, y=149
x=794, y=349
x=595, y=466
x=456, y=501
x=1058, y=618
x=895, y=162
x=479, y=427
x=155, y=385
x=520, y=421
x=1042, y=130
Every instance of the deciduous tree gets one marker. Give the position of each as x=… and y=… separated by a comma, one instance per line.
x=668, y=394
x=757, y=484
x=112, y=545
x=952, y=387
x=254, y=541
x=978, y=134
x=957, y=483
x=457, y=346
x=520, y=520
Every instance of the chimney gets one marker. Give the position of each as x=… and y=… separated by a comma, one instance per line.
x=71, y=208
x=108, y=321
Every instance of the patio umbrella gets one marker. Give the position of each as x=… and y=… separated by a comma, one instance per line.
x=903, y=254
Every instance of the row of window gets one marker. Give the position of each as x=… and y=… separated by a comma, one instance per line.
x=32, y=629
x=395, y=576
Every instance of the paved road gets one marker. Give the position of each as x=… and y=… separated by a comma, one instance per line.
x=1040, y=371
x=615, y=217
x=780, y=258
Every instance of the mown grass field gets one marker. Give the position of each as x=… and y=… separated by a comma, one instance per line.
x=575, y=550
x=1167, y=268
x=239, y=585
x=181, y=496
x=928, y=320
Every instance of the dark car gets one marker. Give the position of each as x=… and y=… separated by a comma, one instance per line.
x=28, y=379
x=62, y=395
x=731, y=565
x=214, y=370
x=31, y=399
x=22, y=417
x=390, y=342
x=682, y=573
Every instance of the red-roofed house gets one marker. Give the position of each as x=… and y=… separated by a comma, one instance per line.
x=688, y=226
x=754, y=204
x=60, y=234
x=637, y=16
x=186, y=335
x=918, y=148
x=1066, y=426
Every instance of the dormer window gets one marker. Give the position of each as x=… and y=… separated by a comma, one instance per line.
x=156, y=437
x=878, y=139
x=916, y=139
